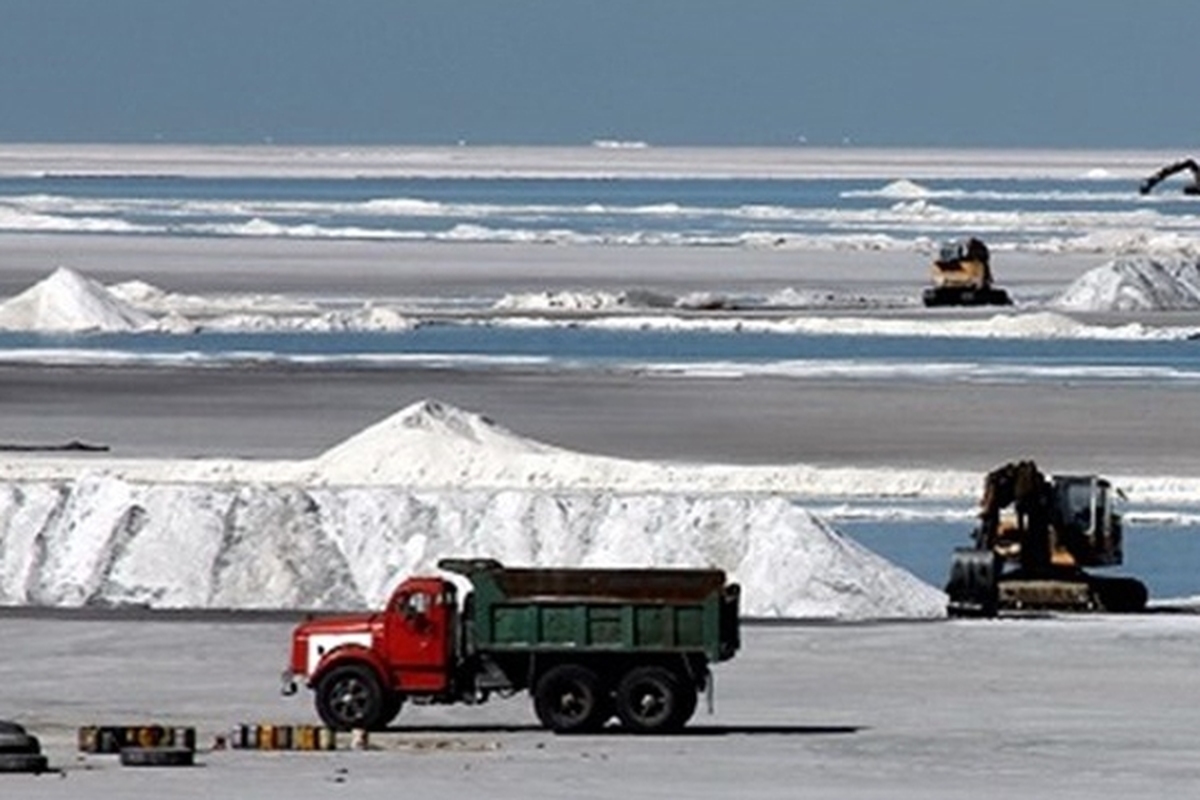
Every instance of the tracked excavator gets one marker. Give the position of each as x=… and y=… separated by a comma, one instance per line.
x=1035, y=536
x=1179, y=166
x=962, y=276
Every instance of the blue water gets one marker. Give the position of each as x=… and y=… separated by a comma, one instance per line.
x=1164, y=558
x=1163, y=361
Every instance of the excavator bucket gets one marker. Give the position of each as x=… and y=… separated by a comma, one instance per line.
x=972, y=587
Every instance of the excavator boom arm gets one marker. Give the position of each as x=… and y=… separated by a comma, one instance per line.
x=1168, y=171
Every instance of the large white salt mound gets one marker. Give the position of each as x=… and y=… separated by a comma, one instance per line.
x=67, y=302
x=434, y=445
x=101, y=540
x=1135, y=284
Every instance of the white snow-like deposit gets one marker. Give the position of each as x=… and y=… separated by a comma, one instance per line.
x=1135, y=284
x=426, y=483
x=103, y=541
x=571, y=301
x=154, y=300
x=69, y=302
x=1028, y=325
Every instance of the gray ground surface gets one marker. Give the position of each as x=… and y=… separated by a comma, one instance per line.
x=297, y=413
x=394, y=269
x=1089, y=708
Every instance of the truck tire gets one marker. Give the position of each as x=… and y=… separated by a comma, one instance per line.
x=654, y=700
x=392, y=703
x=688, y=700
x=568, y=699
x=19, y=743
x=350, y=697
x=157, y=757
x=23, y=762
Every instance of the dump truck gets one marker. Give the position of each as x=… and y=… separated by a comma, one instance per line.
x=587, y=644
x=961, y=275
x=1035, y=537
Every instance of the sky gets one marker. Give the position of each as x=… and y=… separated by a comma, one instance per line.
x=958, y=73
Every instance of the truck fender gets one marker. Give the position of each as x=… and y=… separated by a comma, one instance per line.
x=350, y=654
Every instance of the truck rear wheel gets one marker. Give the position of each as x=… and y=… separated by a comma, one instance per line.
x=350, y=697
x=653, y=700
x=392, y=703
x=567, y=699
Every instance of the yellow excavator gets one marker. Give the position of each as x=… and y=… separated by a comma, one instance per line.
x=1035, y=536
x=962, y=276
x=1179, y=166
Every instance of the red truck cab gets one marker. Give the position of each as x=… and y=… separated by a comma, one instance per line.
x=410, y=645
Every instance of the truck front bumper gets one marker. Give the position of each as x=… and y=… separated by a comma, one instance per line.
x=287, y=683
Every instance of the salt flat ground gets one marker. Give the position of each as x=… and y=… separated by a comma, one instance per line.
x=279, y=411
x=1082, y=707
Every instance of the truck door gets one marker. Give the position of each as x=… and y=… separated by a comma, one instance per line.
x=419, y=632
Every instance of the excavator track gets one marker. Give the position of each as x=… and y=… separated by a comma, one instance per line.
x=978, y=588
x=962, y=296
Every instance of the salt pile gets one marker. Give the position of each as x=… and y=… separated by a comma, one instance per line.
x=67, y=302
x=435, y=445
x=105, y=541
x=1135, y=284
x=428, y=482
x=569, y=301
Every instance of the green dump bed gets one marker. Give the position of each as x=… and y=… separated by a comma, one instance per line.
x=622, y=610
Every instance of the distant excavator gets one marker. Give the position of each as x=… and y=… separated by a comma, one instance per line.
x=1032, y=557
x=962, y=276
x=1188, y=164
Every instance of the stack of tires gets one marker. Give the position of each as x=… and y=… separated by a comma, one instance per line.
x=141, y=745
x=19, y=751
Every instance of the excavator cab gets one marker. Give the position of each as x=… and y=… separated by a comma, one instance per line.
x=1036, y=535
x=961, y=275
x=1088, y=529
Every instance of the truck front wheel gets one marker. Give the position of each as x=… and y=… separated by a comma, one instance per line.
x=654, y=700
x=568, y=699
x=350, y=697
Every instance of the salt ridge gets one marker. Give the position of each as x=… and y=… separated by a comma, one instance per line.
x=103, y=541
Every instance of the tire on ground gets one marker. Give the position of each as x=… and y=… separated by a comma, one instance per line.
x=19, y=743
x=157, y=757
x=7, y=726
x=22, y=762
x=568, y=698
x=350, y=697
x=654, y=700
